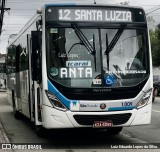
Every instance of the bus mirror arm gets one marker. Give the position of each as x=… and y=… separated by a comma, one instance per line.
x=39, y=25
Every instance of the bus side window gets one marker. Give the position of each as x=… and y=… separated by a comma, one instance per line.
x=10, y=60
x=58, y=41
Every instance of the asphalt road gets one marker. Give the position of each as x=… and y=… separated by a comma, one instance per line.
x=149, y=133
x=71, y=140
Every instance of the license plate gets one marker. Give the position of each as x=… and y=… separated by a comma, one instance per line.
x=102, y=124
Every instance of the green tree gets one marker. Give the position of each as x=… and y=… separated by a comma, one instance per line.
x=155, y=45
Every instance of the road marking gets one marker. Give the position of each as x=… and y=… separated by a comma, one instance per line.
x=156, y=111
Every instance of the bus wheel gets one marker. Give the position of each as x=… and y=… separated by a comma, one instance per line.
x=114, y=130
x=40, y=131
x=153, y=98
x=155, y=94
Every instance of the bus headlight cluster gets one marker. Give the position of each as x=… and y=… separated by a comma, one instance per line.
x=144, y=99
x=55, y=101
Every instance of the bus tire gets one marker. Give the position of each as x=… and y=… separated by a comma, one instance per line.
x=39, y=131
x=114, y=130
x=155, y=94
x=153, y=98
x=16, y=115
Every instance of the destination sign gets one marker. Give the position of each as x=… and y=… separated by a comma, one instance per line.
x=71, y=14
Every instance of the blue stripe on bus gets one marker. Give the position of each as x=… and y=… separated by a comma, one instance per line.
x=67, y=102
x=121, y=108
x=62, y=98
x=51, y=88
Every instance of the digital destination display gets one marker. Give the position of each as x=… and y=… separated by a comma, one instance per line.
x=71, y=14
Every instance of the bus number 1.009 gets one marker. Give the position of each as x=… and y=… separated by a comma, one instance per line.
x=126, y=104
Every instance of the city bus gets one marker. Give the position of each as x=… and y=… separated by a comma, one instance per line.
x=82, y=66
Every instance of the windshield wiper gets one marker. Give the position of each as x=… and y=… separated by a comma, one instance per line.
x=74, y=45
x=115, y=39
x=107, y=52
x=83, y=39
x=110, y=46
x=94, y=50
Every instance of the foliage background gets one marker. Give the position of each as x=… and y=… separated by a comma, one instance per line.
x=155, y=45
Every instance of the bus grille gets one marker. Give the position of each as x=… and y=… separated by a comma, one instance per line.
x=117, y=119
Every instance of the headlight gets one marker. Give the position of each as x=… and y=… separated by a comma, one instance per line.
x=144, y=99
x=55, y=101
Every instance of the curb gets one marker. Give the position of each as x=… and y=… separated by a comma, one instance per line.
x=3, y=139
x=3, y=136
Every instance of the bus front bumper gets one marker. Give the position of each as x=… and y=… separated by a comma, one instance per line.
x=53, y=118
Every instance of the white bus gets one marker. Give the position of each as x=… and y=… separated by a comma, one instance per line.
x=82, y=66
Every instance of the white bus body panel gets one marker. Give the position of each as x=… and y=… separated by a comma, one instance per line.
x=53, y=118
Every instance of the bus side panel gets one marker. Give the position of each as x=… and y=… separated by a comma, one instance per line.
x=24, y=92
x=25, y=82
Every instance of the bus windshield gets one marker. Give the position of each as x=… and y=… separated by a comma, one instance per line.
x=87, y=57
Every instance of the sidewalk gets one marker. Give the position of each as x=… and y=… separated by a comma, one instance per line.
x=3, y=137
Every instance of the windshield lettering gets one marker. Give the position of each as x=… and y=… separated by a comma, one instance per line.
x=126, y=72
x=64, y=55
x=77, y=63
x=76, y=73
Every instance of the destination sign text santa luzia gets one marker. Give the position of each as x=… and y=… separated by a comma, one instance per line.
x=94, y=15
